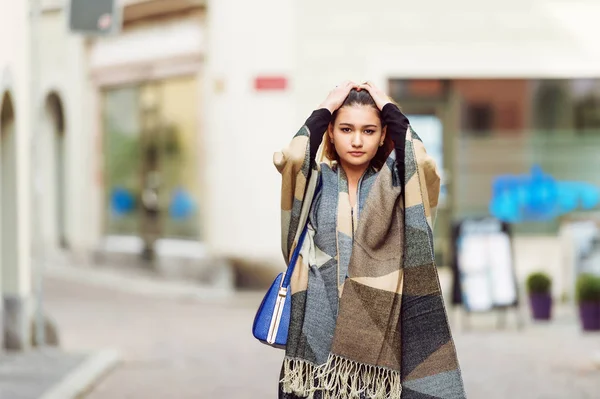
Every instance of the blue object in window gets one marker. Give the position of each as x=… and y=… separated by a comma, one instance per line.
x=182, y=205
x=121, y=201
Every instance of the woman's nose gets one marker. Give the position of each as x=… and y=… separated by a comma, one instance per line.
x=356, y=140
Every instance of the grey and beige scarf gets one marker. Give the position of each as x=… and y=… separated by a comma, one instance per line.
x=368, y=318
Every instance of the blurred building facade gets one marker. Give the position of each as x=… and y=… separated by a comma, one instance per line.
x=504, y=83
x=15, y=97
x=161, y=137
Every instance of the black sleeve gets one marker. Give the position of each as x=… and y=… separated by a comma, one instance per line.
x=397, y=124
x=317, y=124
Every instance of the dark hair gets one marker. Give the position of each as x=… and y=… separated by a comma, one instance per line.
x=361, y=97
x=358, y=98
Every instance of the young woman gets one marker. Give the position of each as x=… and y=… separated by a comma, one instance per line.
x=368, y=318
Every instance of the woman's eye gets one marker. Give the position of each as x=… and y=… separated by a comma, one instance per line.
x=346, y=129
x=369, y=131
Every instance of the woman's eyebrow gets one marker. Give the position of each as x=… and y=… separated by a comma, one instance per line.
x=351, y=125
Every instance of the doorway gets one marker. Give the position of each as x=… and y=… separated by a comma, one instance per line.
x=56, y=169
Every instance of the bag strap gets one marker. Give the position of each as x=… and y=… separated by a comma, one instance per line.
x=285, y=283
x=290, y=269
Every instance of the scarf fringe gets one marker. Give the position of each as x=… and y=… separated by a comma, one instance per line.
x=298, y=377
x=340, y=378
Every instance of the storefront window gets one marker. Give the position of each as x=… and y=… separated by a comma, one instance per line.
x=151, y=156
x=121, y=160
x=495, y=127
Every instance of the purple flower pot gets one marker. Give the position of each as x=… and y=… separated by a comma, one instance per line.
x=541, y=306
x=589, y=313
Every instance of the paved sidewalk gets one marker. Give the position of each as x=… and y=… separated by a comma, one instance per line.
x=30, y=375
x=181, y=341
x=50, y=373
x=55, y=373
x=135, y=281
x=181, y=345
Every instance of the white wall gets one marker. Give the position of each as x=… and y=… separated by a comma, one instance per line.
x=14, y=69
x=63, y=71
x=464, y=38
x=243, y=128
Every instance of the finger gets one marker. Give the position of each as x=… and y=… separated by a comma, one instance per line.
x=351, y=85
x=371, y=85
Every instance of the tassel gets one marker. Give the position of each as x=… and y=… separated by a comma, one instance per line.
x=340, y=378
x=298, y=377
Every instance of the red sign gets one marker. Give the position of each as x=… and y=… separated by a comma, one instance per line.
x=270, y=83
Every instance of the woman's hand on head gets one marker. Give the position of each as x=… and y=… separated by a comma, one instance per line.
x=336, y=97
x=380, y=98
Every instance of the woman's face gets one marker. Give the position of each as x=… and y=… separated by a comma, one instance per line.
x=357, y=135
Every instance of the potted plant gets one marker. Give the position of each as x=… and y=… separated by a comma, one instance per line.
x=588, y=297
x=539, y=286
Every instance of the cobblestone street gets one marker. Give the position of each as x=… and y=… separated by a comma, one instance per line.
x=190, y=348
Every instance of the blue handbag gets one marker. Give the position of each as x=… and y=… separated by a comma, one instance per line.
x=272, y=319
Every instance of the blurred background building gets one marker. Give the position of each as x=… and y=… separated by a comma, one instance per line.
x=155, y=144
x=15, y=171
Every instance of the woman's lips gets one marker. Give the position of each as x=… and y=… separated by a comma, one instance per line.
x=356, y=153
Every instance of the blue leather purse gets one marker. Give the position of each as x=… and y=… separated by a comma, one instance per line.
x=272, y=319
